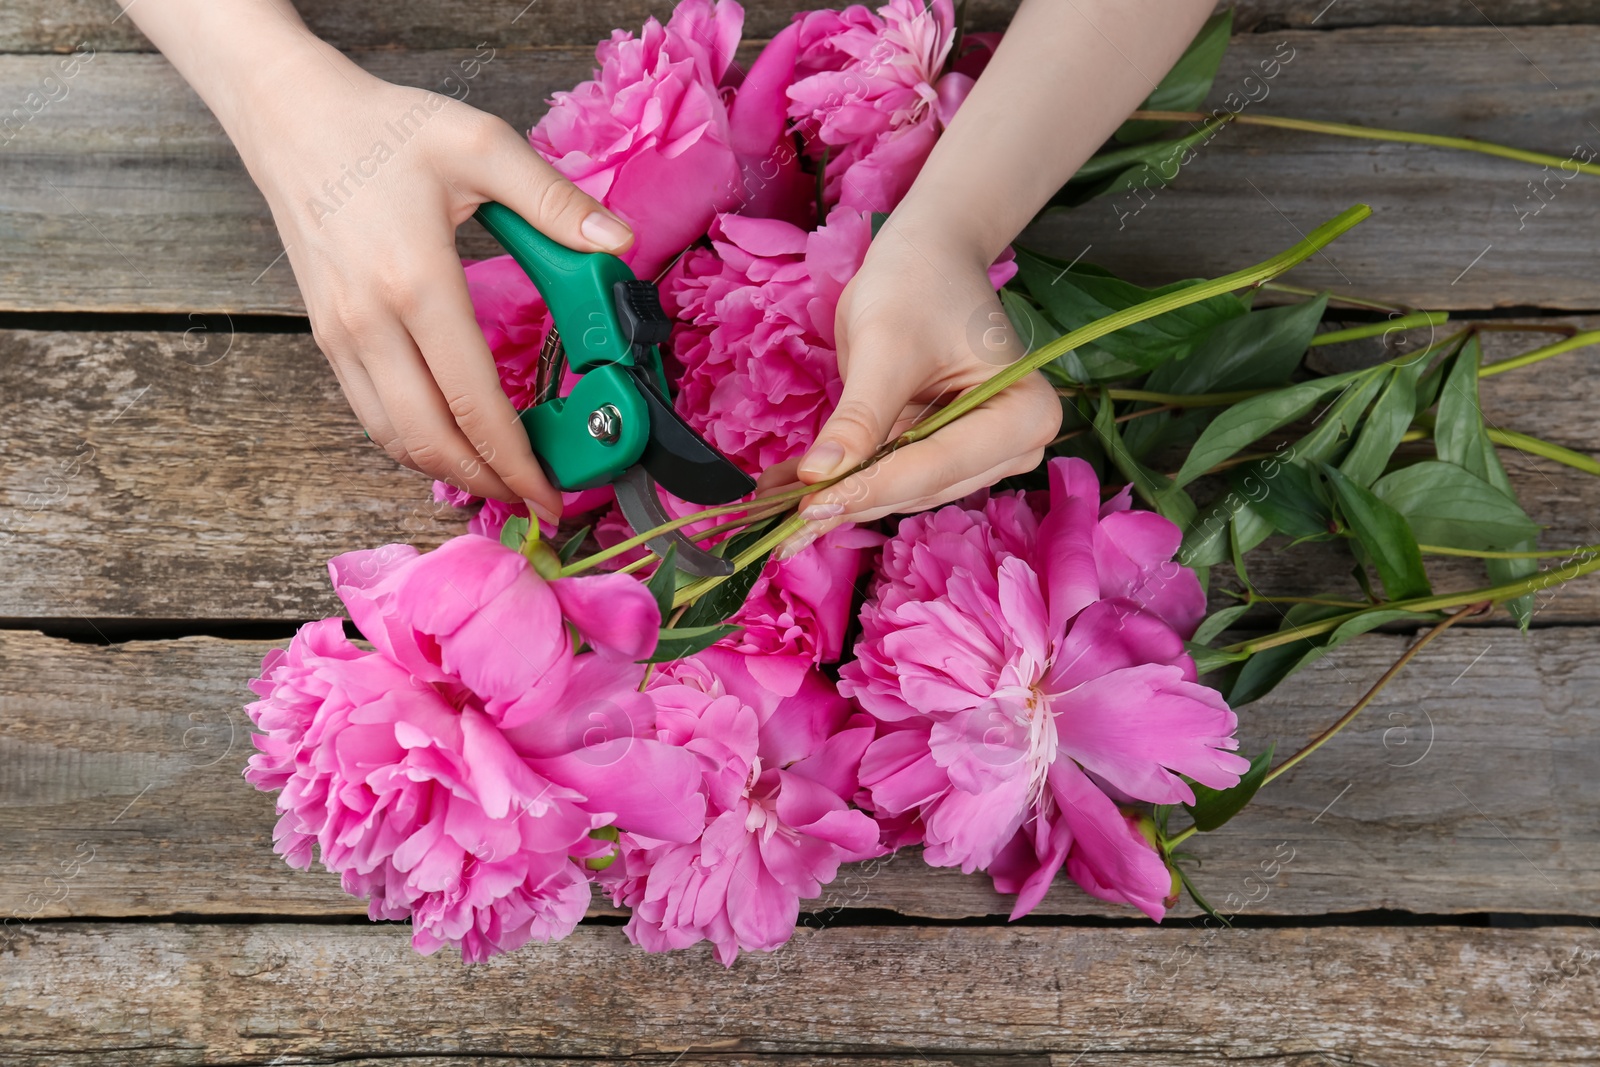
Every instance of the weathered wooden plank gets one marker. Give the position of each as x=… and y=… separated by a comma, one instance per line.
x=61, y=25
x=211, y=475
x=1449, y=229
x=1418, y=997
x=124, y=195
x=120, y=792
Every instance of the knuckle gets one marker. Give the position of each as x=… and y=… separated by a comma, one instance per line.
x=855, y=422
x=560, y=199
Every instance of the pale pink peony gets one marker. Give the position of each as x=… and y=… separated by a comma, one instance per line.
x=453, y=774
x=1026, y=659
x=778, y=774
x=879, y=97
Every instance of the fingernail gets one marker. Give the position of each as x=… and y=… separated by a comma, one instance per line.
x=798, y=543
x=823, y=460
x=542, y=513
x=605, y=230
x=819, y=512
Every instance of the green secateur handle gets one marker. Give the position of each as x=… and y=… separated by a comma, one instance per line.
x=578, y=287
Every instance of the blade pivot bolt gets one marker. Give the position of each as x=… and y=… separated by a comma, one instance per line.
x=605, y=424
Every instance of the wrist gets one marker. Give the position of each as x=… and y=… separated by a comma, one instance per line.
x=944, y=236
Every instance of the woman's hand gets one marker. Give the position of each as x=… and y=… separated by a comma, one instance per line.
x=367, y=182
x=919, y=325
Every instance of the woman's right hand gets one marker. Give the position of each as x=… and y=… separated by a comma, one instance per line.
x=367, y=183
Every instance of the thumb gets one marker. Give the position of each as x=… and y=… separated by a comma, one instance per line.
x=517, y=176
x=863, y=420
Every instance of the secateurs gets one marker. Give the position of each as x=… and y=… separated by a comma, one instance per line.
x=617, y=425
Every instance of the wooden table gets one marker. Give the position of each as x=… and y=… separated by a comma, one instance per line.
x=178, y=463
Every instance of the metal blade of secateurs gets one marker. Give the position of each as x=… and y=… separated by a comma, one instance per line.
x=680, y=460
x=636, y=495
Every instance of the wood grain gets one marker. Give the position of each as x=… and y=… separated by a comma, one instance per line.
x=120, y=792
x=125, y=195
x=169, y=995
x=60, y=25
x=210, y=475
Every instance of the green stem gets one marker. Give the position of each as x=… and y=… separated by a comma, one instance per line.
x=761, y=502
x=1377, y=687
x=1373, y=133
x=1376, y=329
x=1344, y=720
x=1580, y=340
x=1176, y=400
x=1304, y=249
x=1474, y=553
x=1495, y=593
x=1353, y=301
x=774, y=537
x=1537, y=447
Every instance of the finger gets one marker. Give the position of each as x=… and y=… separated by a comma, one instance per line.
x=781, y=474
x=362, y=396
x=1000, y=438
x=876, y=391
x=422, y=420
x=442, y=325
x=514, y=174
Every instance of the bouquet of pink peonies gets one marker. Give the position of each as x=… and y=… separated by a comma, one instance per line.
x=1014, y=682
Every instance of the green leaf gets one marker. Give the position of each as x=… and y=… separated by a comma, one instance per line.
x=1199, y=901
x=1153, y=165
x=1212, y=808
x=1154, y=489
x=1073, y=297
x=680, y=641
x=1253, y=351
x=1217, y=622
x=1383, y=532
x=572, y=545
x=1342, y=419
x=1189, y=81
x=1033, y=329
x=1207, y=660
x=514, y=532
x=878, y=218
x=1458, y=435
x=1449, y=505
x=1264, y=670
x=725, y=599
x=1385, y=424
x=664, y=582
x=1459, y=438
x=1250, y=420
x=1285, y=495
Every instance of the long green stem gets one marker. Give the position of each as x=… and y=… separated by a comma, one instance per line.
x=1373, y=133
x=1578, y=340
x=1474, y=553
x=1421, y=605
x=774, y=537
x=1377, y=329
x=1344, y=720
x=1353, y=301
x=1176, y=400
x=1538, y=447
x=1377, y=687
x=1302, y=250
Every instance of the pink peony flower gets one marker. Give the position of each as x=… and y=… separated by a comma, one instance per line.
x=755, y=340
x=1026, y=659
x=800, y=606
x=879, y=99
x=650, y=136
x=778, y=773
x=454, y=773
